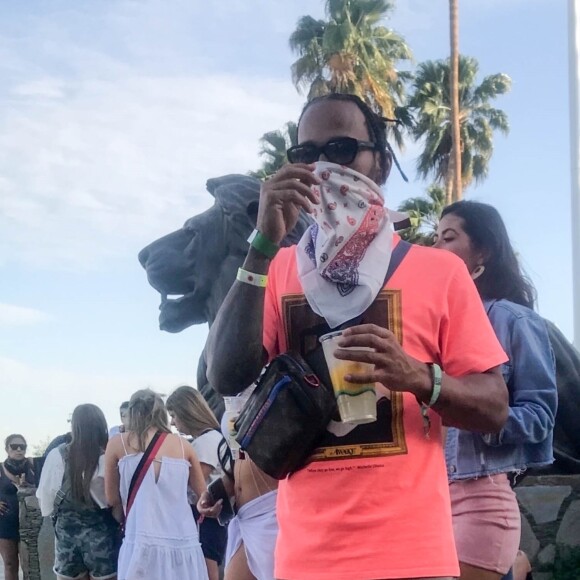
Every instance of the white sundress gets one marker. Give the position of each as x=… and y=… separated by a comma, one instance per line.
x=161, y=539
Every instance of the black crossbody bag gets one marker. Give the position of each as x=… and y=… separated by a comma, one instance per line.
x=288, y=412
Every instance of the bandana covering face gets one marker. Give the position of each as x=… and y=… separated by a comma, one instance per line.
x=344, y=256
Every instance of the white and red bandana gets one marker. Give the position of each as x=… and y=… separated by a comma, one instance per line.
x=343, y=257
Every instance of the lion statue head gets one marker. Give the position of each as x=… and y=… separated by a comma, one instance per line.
x=194, y=267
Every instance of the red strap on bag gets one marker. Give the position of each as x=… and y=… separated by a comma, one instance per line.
x=143, y=467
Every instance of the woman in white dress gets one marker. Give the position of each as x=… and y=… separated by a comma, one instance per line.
x=161, y=540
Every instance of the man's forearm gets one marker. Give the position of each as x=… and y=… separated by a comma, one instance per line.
x=476, y=402
x=235, y=355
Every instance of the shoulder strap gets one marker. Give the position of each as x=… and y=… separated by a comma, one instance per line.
x=143, y=467
x=225, y=456
x=65, y=485
x=397, y=255
x=123, y=442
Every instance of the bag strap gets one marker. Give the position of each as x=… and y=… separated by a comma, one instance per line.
x=65, y=484
x=143, y=467
x=397, y=256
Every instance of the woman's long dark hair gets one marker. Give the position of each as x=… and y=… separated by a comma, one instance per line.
x=503, y=276
x=89, y=439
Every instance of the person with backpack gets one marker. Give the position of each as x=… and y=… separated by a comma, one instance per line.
x=148, y=471
x=486, y=516
x=71, y=490
x=191, y=415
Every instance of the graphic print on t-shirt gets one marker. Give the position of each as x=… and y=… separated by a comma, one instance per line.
x=385, y=436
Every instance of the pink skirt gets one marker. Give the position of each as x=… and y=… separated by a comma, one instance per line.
x=486, y=522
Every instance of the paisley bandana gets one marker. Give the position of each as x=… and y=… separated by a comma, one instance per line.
x=343, y=257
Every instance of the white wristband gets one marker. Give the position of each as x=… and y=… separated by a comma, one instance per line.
x=259, y=280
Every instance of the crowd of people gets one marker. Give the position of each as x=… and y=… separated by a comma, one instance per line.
x=465, y=378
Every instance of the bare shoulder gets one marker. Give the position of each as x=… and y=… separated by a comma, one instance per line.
x=174, y=443
x=115, y=445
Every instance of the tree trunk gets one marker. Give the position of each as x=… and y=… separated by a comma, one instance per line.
x=449, y=178
x=455, y=161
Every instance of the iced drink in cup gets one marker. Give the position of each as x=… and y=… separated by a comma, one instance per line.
x=357, y=404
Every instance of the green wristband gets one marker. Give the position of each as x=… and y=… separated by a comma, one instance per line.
x=437, y=376
x=261, y=243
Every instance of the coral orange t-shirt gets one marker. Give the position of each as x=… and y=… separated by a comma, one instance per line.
x=373, y=503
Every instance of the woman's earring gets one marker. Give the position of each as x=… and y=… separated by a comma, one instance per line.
x=477, y=272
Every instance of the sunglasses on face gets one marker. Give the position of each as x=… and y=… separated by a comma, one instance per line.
x=340, y=150
x=18, y=446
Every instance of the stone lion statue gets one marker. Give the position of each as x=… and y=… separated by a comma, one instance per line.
x=194, y=267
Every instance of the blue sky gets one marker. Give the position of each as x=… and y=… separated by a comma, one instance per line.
x=113, y=114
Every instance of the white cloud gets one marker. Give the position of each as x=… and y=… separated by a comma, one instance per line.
x=111, y=163
x=47, y=88
x=11, y=315
x=36, y=401
x=107, y=139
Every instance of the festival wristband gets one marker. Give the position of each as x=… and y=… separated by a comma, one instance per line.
x=437, y=377
x=246, y=277
x=261, y=243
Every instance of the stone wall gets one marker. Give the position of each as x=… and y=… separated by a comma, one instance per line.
x=30, y=524
x=550, y=506
x=36, y=538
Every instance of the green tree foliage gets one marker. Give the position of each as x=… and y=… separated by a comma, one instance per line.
x=425, y=212
x=430, y=104
x=273, y=146
x=352, y=52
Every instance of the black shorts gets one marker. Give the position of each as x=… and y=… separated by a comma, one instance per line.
x=213, y=538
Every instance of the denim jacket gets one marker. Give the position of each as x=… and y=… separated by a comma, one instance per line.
x=530, y=374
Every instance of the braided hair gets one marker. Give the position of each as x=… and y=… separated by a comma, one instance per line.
x=376, y=126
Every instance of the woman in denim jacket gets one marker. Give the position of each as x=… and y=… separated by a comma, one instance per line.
x=486, y=517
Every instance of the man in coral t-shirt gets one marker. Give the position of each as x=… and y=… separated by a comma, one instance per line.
x=328, y=509
x=373, y=502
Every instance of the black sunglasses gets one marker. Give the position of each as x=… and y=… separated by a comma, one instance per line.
x=18, y=446
x=341, y=150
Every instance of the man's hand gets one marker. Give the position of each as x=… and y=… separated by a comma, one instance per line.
x=282, y=197
x=393, y=367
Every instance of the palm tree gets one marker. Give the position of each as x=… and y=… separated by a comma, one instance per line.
x=430, y=104
x=273, y=146
x=425, y=213
x=454, y=188
x=351, y=52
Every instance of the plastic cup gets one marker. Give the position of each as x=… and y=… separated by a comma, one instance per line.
x=357, y=404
